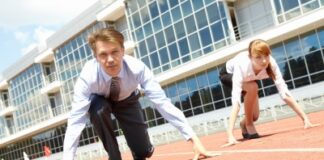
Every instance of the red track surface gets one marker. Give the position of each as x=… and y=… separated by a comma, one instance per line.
x=280, y=140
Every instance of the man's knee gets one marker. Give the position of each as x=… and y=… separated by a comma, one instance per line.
x=143, y=154
x=98, y=104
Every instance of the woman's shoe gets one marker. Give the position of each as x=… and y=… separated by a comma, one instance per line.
x=253, y=136
x=243, y=128
x=245, y=135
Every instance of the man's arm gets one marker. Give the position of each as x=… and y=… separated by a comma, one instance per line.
x=157, y=96
x=171, y=113
x=77, y=119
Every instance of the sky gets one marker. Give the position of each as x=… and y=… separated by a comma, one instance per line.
x=25, y=24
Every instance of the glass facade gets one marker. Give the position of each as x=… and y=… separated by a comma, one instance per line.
x=301, y=62
x=170, y=33
x=287, y=10
x=69, y=60
x=53, y=139
x=24, y=91
x=33, y=108
x=167, y=34
x=2, y=127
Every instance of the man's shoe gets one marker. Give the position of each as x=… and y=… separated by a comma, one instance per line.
x=150, y=152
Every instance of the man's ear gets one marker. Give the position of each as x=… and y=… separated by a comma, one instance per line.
x=95, y=56
x=123, y=51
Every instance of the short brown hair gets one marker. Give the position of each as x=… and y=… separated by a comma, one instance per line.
x=106, y=35
x=261, y=47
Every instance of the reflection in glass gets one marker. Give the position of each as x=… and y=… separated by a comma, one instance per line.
x=301, y=82
x=298, y=67
x=309, y=42
x=205, y=95
x=293, y=48
x=195, y=99
x=315, y=61
x=201, y=18
x=278, y=52
x=192, y=84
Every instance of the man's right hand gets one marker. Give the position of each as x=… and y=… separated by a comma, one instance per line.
x=200, y=150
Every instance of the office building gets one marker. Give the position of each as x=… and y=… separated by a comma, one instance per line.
x=184, y=42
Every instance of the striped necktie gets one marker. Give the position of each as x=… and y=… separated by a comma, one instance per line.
x=114, y=88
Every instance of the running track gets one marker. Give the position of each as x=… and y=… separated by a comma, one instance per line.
x=284, y=139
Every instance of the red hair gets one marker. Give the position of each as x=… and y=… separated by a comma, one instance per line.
x=261, y=47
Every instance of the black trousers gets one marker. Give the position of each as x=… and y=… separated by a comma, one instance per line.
x=226, y=78
x=130, y=116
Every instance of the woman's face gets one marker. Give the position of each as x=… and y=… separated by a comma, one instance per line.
x=259, y=61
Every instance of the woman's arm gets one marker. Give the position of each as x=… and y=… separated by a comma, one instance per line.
x=287, y=97
x=230, y=136
x=237, y=82
x=291, y=102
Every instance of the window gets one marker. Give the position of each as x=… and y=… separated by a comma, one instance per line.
x=160, y=39
x=309, y=42
x=190, y=24
x=164, y=56
x=153, y=10
x=184, y=48
x=176, y=14
x=194, y=42
x=205, y=37
x=278, y=52
x=293, y=48
x=287, y=5
x=212, y=12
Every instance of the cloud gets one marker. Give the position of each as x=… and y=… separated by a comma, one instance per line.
x=29, y=48
x=25, y=24
x=18, y=13
x=21, y=36
x=40, y=34
x=31, y=21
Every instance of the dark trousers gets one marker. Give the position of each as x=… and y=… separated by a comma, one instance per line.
x=130, y=116
x=226, y=78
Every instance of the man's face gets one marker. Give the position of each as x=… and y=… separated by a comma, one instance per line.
x=110, y=56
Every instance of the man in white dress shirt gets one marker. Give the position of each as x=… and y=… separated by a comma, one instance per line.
x=92, y=99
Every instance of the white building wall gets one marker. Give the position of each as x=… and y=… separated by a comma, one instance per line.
x=253, y=16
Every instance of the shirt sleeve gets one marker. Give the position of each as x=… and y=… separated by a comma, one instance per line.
x=157, y=96
x=77, y=119
x=237, y=85
x=279, y=81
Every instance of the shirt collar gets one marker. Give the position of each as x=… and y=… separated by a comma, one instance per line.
x=252, y=73
x=250, y=70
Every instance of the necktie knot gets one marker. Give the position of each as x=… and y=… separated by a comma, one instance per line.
x=114, y=88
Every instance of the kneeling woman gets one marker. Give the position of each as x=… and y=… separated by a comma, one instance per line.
x=241, y=74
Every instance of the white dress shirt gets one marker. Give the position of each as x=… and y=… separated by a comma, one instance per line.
x=94, y=80
x=241, y=68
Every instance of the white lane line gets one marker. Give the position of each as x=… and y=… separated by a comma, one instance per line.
x=251, y=151
x=275, y=150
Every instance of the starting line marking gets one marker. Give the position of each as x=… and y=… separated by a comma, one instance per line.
x=251, y=151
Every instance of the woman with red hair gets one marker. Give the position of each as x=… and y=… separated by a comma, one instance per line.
x=241, y=74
